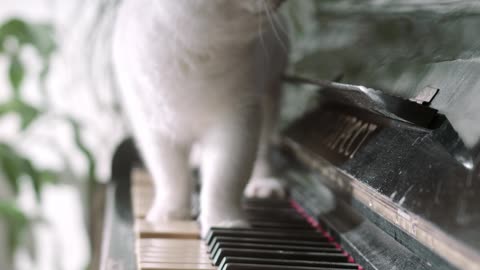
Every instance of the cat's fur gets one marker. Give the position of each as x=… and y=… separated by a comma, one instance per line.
x=203, y=73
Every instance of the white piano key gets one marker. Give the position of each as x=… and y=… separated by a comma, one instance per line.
x=170, y=229
x=174, y=266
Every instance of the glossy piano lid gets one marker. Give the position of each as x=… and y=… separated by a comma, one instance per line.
x=422, y=181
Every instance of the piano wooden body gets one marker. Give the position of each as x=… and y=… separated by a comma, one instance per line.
x=387, y=181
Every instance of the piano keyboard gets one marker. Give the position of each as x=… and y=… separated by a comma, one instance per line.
x=281, y=237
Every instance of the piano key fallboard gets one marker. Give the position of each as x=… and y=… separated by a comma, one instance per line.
x=281, y=236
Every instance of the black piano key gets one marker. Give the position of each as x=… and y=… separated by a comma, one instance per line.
x=312, y=244
x=271, y=203
x=235, y=266
x=272, y=254
x=269, y=211
x=293, y=221
x=281, y=225
x=265, y=234
x=275, y=215
x=272, y=206
x=279, y=238
x=271, y=247
x=295, y=263
x=265, y=208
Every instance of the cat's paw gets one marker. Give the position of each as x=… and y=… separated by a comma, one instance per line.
x=265, y=188
x=161, y=214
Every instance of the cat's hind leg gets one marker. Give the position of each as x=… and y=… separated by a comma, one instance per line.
x=229, y=152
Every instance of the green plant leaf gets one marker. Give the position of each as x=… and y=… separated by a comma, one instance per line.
x=83, y=149
x=38, y=177
x=28, y=115
x=17, y=224
x=40, y=36
x=26, y=112
x=43, y=39
x=14, y=28
x=49, y=176
x=11, y=166
x=14, y=166
x=35, y=176
x=16, y=74
x=12, y=213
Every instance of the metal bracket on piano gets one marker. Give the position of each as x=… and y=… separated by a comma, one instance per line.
x=415, y=112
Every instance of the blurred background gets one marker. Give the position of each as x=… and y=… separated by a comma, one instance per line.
x=59, y=123
x=60, y=119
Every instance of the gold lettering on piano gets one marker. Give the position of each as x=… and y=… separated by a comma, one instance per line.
x=348, y=135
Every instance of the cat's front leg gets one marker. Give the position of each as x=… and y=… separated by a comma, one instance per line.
x=168, y=164
x=263, y=184
x=229, y=152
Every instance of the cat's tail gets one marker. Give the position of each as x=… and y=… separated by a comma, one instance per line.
x=125, y=159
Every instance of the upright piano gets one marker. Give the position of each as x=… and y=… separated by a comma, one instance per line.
x=375, y=182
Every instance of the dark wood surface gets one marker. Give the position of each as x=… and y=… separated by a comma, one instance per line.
x=422, y=181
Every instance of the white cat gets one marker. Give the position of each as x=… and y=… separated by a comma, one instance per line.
x=203, y=73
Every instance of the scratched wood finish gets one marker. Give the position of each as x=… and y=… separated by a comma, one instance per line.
x=405, y=175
